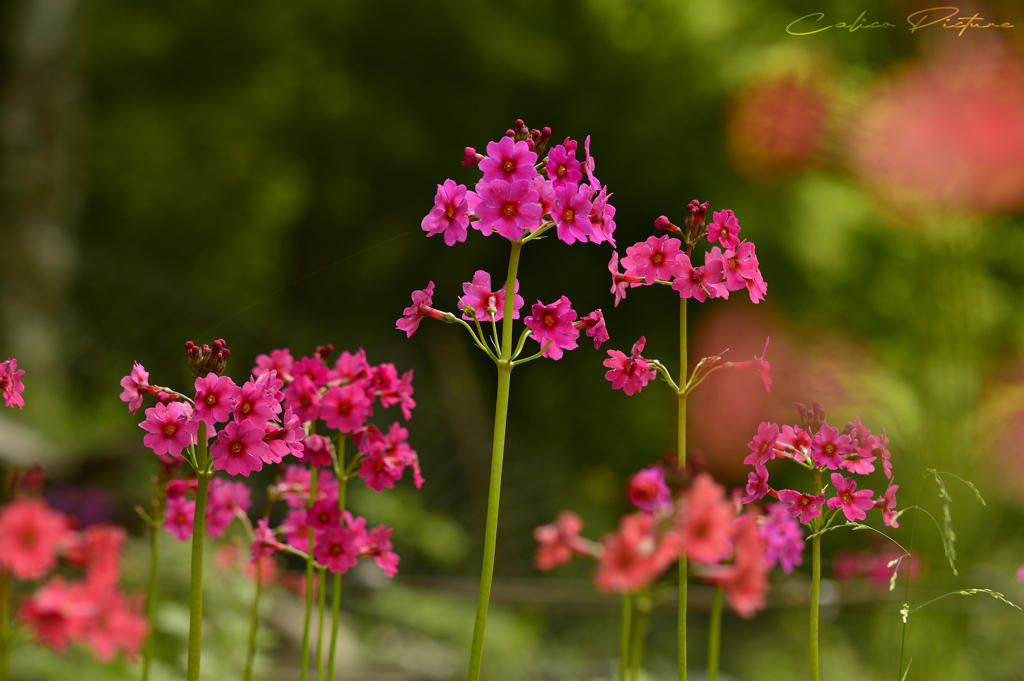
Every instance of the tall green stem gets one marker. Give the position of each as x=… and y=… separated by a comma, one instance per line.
x=5, y=621
x=154, y=565
x=254, y=623
x=715, y=635
x=304, y=670
x=627, y=609
x=681, y=446
x=815, y=587
x=336, y=587
x=195, y=600
x=639, y=633
x=497, y=453
x=320, y=627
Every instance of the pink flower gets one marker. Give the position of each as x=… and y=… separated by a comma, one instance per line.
x=889, y=506
x=420, y=308
x=746, y=580
x=508, y=161
x=706, y=521
x=557, y=542
x=636, y=555
x=648, y=491
x=303, y=397
x=629, y=373
x=337, y=549
x=378, y=545
x=757, y=485
x=30, y=533
x=621, y=281
x=324, y=514
x=594, y=326
x=806, y=506
x=215, y=399
x=179, y=517
x=57, y=612
x=589, y=164
x=385, y=457
x=783, y=539
x=652, y=259
x=763, y=445
x=265, y=543
x=740, y=265
x=602, y=222
x=553, y=323
x=510, y=209
x=828, y=448
x=296, y=528
x=795, y=439
x=226, y=499
x=132, y=383
x=284, y=441
x=853, y=503
x=316, y=452
x=171, y=428
x=280, y=361
x=351, y=368
x=254, y=404
x=346, y=408
x=756, y=287
x=103, y=545
x=116, y=626
x=485, y=303
x=571, y=213
x=694, y=282
x=313, y=369
x=724, y=229
x=562, y=167
x=450, y=214
x=760, y=364
x=239, y=448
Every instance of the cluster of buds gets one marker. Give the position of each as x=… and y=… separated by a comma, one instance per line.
x=206, y=360
x=10, y=383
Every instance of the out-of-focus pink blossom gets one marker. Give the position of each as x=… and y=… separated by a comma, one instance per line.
x=783, y=538
x=889, y=506
x=647, y=490
x=745, y=580
x=557, y=542
x=378, y=545
x=337, y=549
x=706, y=521
x=757, y=485
x=180, y=517
x=636, y=555
x=30, y=532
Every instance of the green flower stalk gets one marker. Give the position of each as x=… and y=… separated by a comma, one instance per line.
x=195, y=600
x=254, y=624
x=310, y=585
x=715, y=635
x=341, y=473
x=627, y=610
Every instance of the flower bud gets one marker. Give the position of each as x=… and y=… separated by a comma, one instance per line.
x=470, y=157
x=663, y=223
x=203, y=361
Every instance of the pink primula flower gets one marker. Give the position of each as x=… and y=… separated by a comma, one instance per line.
x=562, y=167
x=346, y=408
x=557, y=542
x=239, y=448
x=889, y=506
x=636, y=555
x=763, y=445
x=853, y=503
x=337, y=549
x=215, y=399
x=740, y=265
x=450, y=214
x=706, y=521
x=757, y=485
x=594, y=326
x=134, y=385
x=647, y=490
x=179, y=517
x=630, y=373
x=508, y=160
x=828, y=447
x=782, y=537
x=794, y=439
x=254, y=404
x=806, y=507
x=553, y=323
x=420, y=308
x=303, y=397
x=280, y=361
x=378, y=545
x=621, y=281
x=171, y=428
x=30, y=532
x=265, y=543
x=284, y=441
x=724, y=229
x=509, y=209
x=296, y=528
x=652, y=259
x=571, y=213
x=698, y=283
x=484, y=302
x=602, y=218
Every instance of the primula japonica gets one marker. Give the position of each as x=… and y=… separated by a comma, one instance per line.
x=10, y=383
x=270, y=419
x=522, y=194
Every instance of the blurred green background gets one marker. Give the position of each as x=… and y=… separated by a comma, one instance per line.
x=197, y=170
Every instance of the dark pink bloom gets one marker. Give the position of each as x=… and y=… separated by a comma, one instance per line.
x=706, y=521
x=303, y=397
x=883, y=452
x=757, y=485
x=57, y=612
x=280, y=361
x=756, y=287
x=763, y=445
x=557, y=542
x=889, y=506
x=745, y=580
x=179, y=517
x=420, y=308
x=337, y=549
x=783, y=538
x=226, y=500
x=652, y=259
x=117, y=626
x=860, y=462
x=324, y=514
x=132, y=384
x=602, y=218
x=828, y=448
x=254, y=404
x=215, y=399
x=805, y=506
x=636, y=555
x=239, y=448
x=724, y=229
x=588, y=163
x=740, y=266
x=509, y=209
x=545, y=194
x=853, y=503
x=313, y=369
x=621, y=281
x=102, y=548
x=563, y=168
x=553, y=323
x=177, y=488
x=594, y=326
x=484, y=302
x=795, y=439
x=391, y=389
x=508, y=160
x=450, y=214
x=265, y=543
x=629, y=373
x=693, y=282
x=284, y=441
x=346, y=408
x=648, y=491
x=379, y=470
x=30, y=532
x=378, y=545
x=571, y=212
x=760, y=364
x=171, y=428
x=351, y=368
x=316, y=452
x=296, y=528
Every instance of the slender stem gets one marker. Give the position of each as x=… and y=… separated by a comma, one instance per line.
x=254, y=624
x=627, y=610
x=815, y=587
x=154, y=565
x=320, y=627
x=715, y=635
x=336, y=586
x=906, y=587
x=304, y=670
x=639, y=633
x=195, y=600
x=5, y=621
x=681, y=445
x=497, y=453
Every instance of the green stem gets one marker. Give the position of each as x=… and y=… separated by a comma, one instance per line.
x=154, y=565
x=906, y=586
x=715, y=635
x=304, y=670
x=336, y=587
x=815, y=587
x=195, y=600
x=497, y=453
x=681, y=445
x=254, y=623
x=5, y=621
x=320, y=627
x=639, y=633
x=627, y=610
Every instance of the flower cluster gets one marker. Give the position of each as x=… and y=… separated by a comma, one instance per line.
x=10, y=383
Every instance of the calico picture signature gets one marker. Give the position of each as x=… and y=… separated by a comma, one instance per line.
x=940, y=17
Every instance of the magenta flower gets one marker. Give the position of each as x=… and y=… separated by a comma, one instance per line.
x=450, y=214
x=265, y=542
x=602, y=222
x=805, y=506
x=588, y=163
x=239, y=448
x=324, y=514
x=693, y=282
x=313, y=369
x=303, y=397
x=132, y=383
x=557, y=542
x=794, y=439
x=284, y=441
x=783, y=538
x=571, y=213
x=553, y=323
x=563, y=168
x=740, y=265
x=336, y=548
x=180, y=517
x=594, y=326
x=652, y=259
x=350, y=368
x=757, y=485
x=763, y=445
x=484, y=302
x=648, y=491
x=316, y=451
x=420, y=308
x=619, y=280
x=254, y=404
x=378, y=545
x=280, y=361
x=296, y=528
x=756, y=287
x=883, y=451
x=508, y=161
x=171, y=428
x=724, y=229
x=510, y=209
x=853, y=503
x=545, y=194
x=215, y=399
x=346, y=408
x=631, y=373
x=828, y=448
x=225, y=499
x=889, y=507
